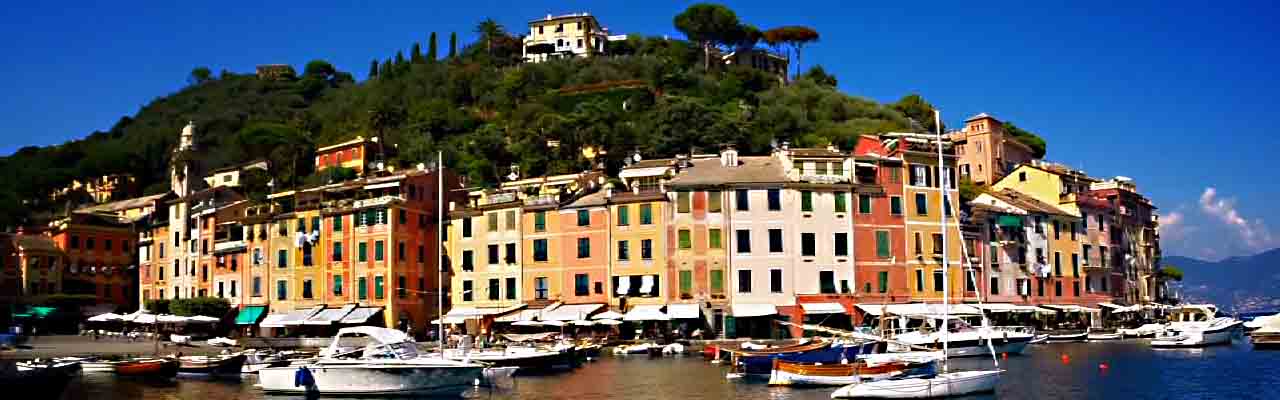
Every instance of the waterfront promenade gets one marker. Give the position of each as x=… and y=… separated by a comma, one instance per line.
x=76, y=346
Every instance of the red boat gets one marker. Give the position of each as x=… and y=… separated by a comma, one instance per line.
x=156, y=368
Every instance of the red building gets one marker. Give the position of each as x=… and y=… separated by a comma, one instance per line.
x=100, y=256
x=880, y=258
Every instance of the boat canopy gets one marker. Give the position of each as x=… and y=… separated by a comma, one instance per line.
x=918, y=309
x=646, y=312
x=823, y=308
x=745, y=310
x=389, y=342
x=683, y=311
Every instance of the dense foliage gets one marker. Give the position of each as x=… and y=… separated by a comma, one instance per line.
x=206, y=306
x=486, y=111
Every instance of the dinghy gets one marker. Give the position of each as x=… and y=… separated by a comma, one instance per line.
x=786, y=373
x=940, y=385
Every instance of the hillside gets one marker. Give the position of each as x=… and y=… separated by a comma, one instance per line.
x=1237, y=283
x=486, y=111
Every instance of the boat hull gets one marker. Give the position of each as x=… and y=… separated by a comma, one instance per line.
x=1266, y=341
x=1219, y=335
x=762, y=365
x=1068, y=338
x=941, y=385
x=224, y=366
x=525, y=361
x=148, y=369
x=795, y=374
x=978, y=348
x=370, y=380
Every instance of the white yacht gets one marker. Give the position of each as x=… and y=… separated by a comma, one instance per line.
x=390, y=365
x=1197, y=325
x=964, y=340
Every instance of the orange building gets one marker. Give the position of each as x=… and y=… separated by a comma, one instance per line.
x=357, y=154
x=879, y=254
x=986, y=152
x=99, y=250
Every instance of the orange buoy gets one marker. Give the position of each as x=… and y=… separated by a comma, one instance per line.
x=1104, y=366
x=1066, y=359
x=1004, y=356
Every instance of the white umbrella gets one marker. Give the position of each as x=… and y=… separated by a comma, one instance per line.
x=608, y=315
x=609, y=322
x=527, y=323
x=143, y=319
x=166, y=318
x=201, y=318
x=105, y=317
x=551, y=323
x=583, y=322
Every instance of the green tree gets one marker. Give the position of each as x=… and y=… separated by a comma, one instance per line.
x=820, y=76
x=1170, y=272
x=453, y=45
x=431, y=48
x=383, y=119
x=795, y=36
x=916, y=108
x=200, y=75
x=1037, y=144
x=373, y=69
x=708, y=24
x=206, y=306
x=490, y=31
x=415, y=54
x=319, y=69
x=399, y=58
x=157, y=306
x=970, y=190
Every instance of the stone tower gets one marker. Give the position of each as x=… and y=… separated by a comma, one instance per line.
x=182, y=165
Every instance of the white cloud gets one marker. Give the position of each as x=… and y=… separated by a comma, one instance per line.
x=1254, y=233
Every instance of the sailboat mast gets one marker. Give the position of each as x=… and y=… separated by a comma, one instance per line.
x=942, y=220
x=440, y=250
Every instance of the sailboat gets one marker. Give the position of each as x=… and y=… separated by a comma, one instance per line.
x=946, y=383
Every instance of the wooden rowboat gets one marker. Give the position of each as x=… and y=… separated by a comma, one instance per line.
x=204, y=365
x=158, y=368
x=787, y=373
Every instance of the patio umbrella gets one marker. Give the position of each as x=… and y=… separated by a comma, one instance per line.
x=583, y=322
x=610, y=322
x=551, y=323
x=166, y=318
x=527, y=323
x=104, y=317
x=202, y=318
x=608, y=315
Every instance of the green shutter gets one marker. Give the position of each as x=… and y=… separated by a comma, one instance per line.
x=624, y=215
x=882, y=244
x=1012, y=221
x=337, y=223
x=895, y=205
x=806, y=201
x=717, y=281
x=362, y=253
x=713, y=238
x=377, y=287
x=363, y=288
x=686, y=241
x=686, y=282
x=682, y=202
x=646, y=214
x=540, y=221
x=379, y=250
x=337, y=285
x=884, y=281
x=841, y=205
x=864, y=204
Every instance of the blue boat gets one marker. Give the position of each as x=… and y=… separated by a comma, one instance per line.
x=761, y=363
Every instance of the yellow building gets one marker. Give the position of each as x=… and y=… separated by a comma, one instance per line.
x=484, y=246
x=564, y=36
x=922, y=191
x=638, y=236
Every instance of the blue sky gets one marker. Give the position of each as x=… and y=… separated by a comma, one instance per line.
x=1175, y=96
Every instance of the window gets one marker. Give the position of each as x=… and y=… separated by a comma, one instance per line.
x=686, y=283
x=624, y=250
x=540, y=221
x=841, y=244
x=713, y=201
x=1075, y=264
x=683, y=202
x=971, y=281
x=282, y=290
x=510, y=257
x=306, y=289
x=467, y=258
x=337, y=223
x=938, y=280
x=686, y=239
x=257, y=287
x=362, y=251
x=895, y=205
x=584, y=218
x=466, y=227
x=713, y=238
x=646, y=214
x=75, y=242
x=88, y=243
x=282, y=258
x=646, y=249
x=511, y=220
x=922, y=204
x=492, y=219
x=106, y=245
x=883, y=249
x=1075, y=288
x=883, y=281
x=1056, y=230
x=540, y=250
x=744, y=281
x=743, y=238
x=1084, y=220
x=1057, y=263
x=493, y=254
x=1022, y=177
x=716, y=276
x=775, y=280
x=1102, y=256
x=864, y=204
x=919, y=175
x=827, y=282
x=584, y=248
x=808, y=247
x=511, y=288
x=937, y=243
x=1057, y=288
x=422, y=253
x=337, y=285
x=581, y=285
x=806, y=201
x=540, y=288
x=775, y=200
x=742, y=201
x=468, y=290
x=495, y=286
x=400, y=252
x=919, y=244
x=337, y=251
x=1103, y=280
x=775, y=241
x=841, y=204
x=379, y=250
x=377, y=287
x=362, y=288
x=1073, y=231
x=624, y=216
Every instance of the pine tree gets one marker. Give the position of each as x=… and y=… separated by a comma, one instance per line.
x=453, y=44
x=431, y=48
x=373, y=69
x=399, y=58
x=415, y=55
x=385, y=71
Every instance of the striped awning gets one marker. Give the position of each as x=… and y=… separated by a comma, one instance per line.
x=823, y=308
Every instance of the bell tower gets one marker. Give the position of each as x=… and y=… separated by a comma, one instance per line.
x=182, y=165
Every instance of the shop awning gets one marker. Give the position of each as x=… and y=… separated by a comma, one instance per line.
x=250, y=315
x=823, y=308
x=608, y=315
x=917, y=309
x=1005, y=308
x=1110, y=305
x=273, y=321
x=570, y=312
x=744, y=310
x=1070, y=308
x=360, y=315
x=646, y=312
x=450, y=320
x=1012, y=221
x=522, y=315
x=683, y=311
x=330, y=316
x=297, y=317
x=480, y=312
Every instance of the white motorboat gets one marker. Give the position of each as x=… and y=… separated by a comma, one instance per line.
x=1098, y=337
x=1260, y=322
x=389, y=366
x=639, y=348
x=1069, y=337
x=941, y=385
x=1216, y=331
x=1039, y=339
x=524, y=357
x=1144, y=331
x=965, y=341
x=674, y=348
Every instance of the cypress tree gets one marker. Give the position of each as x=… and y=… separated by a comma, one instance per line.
x=415, y=55
x=385, y=71
x=453, y=44
x=399, y=58
x=431, y=48
x=373, y=69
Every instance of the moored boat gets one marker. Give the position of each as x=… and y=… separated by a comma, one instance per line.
x=212, y=365
x=966, y=341
x=528, y=359
x=391, y=366
x=940, y=385
x=1102, y=336
x=148, y=368
x=760, y=364
x=638, y=348
x=1144, y=331
x=786, y=373
x=1068, y=337
x=1216, y=331
x=45, y=379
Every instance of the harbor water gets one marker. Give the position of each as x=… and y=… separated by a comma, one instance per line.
x=1108, y=370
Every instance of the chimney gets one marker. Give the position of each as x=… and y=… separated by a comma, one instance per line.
x=729, y=157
